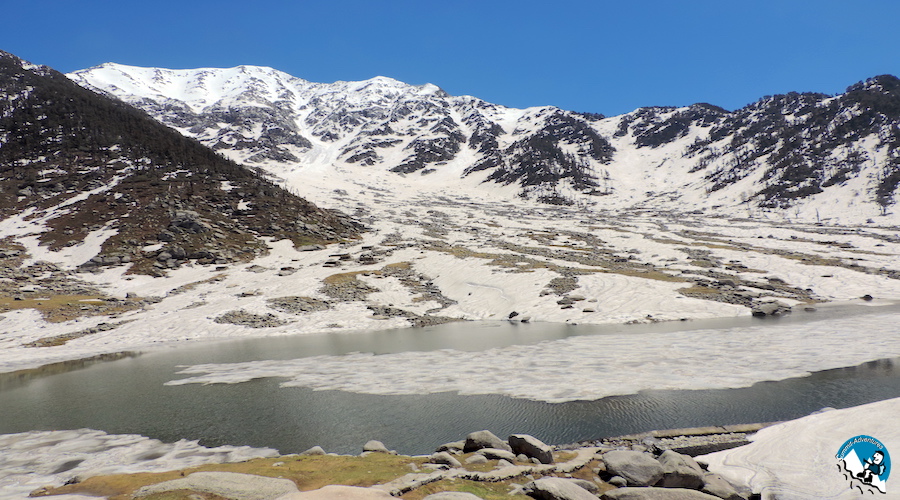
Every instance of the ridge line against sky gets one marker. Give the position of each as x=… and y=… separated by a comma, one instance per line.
x=598, y=56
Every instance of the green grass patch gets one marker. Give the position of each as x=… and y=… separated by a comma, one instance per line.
x=307, y=472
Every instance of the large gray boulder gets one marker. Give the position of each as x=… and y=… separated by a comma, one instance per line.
x=225, y=484
x=680, y=471
x=444, y=458
x=338, y=492
x=531, y=447
x=495, y=454
x=637, y=467
x=375, y=446
x=452, y=495
x=315, y=450
x=655, y=494
x=557, y=488
x=484, y=439
x=717, y=486
x=454, y=447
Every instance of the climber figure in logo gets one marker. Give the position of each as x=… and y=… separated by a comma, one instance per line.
x=873, y=467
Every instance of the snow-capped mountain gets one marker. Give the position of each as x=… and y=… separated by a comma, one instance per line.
x=810, y=155
x=77, y=167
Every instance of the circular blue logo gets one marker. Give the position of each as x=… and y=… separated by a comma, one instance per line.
x=865, y=463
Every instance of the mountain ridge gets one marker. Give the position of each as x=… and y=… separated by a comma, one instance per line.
x=792, y=152
x=85, y=165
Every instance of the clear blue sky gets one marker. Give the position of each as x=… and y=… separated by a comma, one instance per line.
x=600, y=56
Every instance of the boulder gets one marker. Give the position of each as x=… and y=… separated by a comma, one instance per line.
x=442, y=457
x=484, y=439
x=225, y=484
x=717, y=486
x=477, y=459
x=495, y=454
x=531, y=447
x=618, y=481
x=557, y=488
x=452, y=495
x=771, y=309
x=375, y=446
x=655, y=494
x=337, y=492
x=637, y=467
x=454, y=447
x=680, y=471
x=315, y=450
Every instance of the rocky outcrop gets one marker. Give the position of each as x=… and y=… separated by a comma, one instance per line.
x=638, y=468
x=680, y=471
x=656, y=494
x=557, y=488
x=484, y=439
x=531, y=447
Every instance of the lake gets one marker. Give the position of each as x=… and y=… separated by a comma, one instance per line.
x=130, y=395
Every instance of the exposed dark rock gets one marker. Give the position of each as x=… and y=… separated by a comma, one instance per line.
x=531, y=447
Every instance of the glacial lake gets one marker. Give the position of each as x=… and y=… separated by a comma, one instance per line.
x=129, y=395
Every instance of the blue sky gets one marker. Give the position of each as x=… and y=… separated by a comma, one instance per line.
x=600, y=56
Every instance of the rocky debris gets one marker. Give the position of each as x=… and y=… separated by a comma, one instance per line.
x=531, y=447
x=484, y=439
x=557, y=488
x=416, y=320
x=188, y=221
x=298, y=305
x=244, y=318
x=692, y=441
x=230, y=485
x=770, y=309
x=418, y=283
x=562, y=285
x=638, y=468
x=655, y=494
x=350, y=289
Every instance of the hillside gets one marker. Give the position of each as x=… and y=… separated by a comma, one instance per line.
x=83, y=170
x=805, y=156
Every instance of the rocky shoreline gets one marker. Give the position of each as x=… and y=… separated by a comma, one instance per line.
x=650, y=465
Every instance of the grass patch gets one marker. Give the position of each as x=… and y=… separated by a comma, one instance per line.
x=485, y=491
x=59, y=308
x=342, y=278
x=307, y=472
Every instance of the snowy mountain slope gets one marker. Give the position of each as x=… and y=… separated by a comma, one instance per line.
x=77, y=166
x=803, y=155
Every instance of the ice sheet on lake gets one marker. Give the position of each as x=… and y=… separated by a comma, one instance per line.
x=31, y=460
x=797, y=459
x=590, y=367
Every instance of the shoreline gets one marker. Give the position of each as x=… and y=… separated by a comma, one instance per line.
x=61, y=356
x=755, y=459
